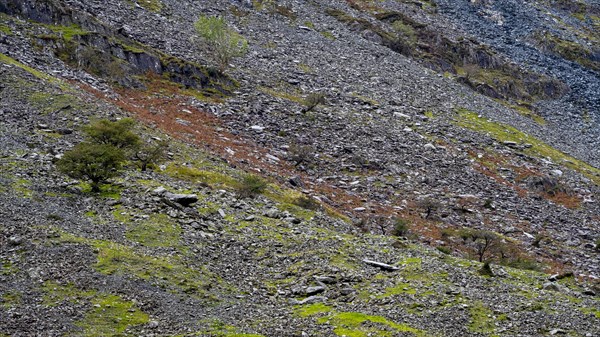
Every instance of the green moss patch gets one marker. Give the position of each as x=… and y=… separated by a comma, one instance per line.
x=10, y=299
x=200, y=176
x=570, y=50
x=481, y=319
x=502, y=132
x=108, y=191
x=109, y=315
x=7, y=267
x=4, y=29
x=151, y=5
x=49, y=102
x=67, y=32
x=22, y=188
x=166, y=272
x=355, y=324
x=398, y=289
x=297, y=98
x=313, y=309
x=8, y=60
x=158, y=231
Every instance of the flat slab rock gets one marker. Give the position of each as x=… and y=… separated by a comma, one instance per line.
x=381, y=265
x=182, y=199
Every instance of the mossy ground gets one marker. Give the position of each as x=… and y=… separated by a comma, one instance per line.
x=67, y=32
x=171, y=273
x=502, y=132
x=10, y=299
x=108, y=315
x=355, y=324
x=157, y=231
x=482, y=320
x=10, y=61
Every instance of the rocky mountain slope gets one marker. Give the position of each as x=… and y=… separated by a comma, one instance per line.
x=442, y=120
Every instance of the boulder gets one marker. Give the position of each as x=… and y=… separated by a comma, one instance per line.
x=182, y=199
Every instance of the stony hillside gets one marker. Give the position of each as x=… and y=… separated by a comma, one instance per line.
x=446, y=133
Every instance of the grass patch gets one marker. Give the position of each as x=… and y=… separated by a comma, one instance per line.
x=11, y=299
x=7, y=267
x=355, y=324
x=169, y=273
x=158, y=231
x=481, y=319
x=108, y=191
x=55, y=294
x=591, y=311
x=67, y=32
x=297, y=211
x=328, y=35
x=151, y=5
x=200, y=176
x=399, y=289
x=22, y=188
x=48, y=102
x=287, y=96
x=4, y=29
x=10, y=61
x=111, y=316
x=313, y=309
x=502, y=132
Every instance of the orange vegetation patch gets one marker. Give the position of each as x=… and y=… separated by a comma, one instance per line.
x=566, y=199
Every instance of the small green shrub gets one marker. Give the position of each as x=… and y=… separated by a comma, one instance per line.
x=220, y=41
x=94, y=162
x=307, y=203
x=147, y=154
x=444, y=249
x=400, y=227
x=251, y=186
x=313, y=100
x=117, y=133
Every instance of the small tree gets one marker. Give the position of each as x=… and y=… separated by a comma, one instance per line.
x=222, y=43
x=93, y=162
x=483, y=242
x=429, y=206
x=251, y=186
x=117, y=134
x=300, y=154
x=146, y=154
